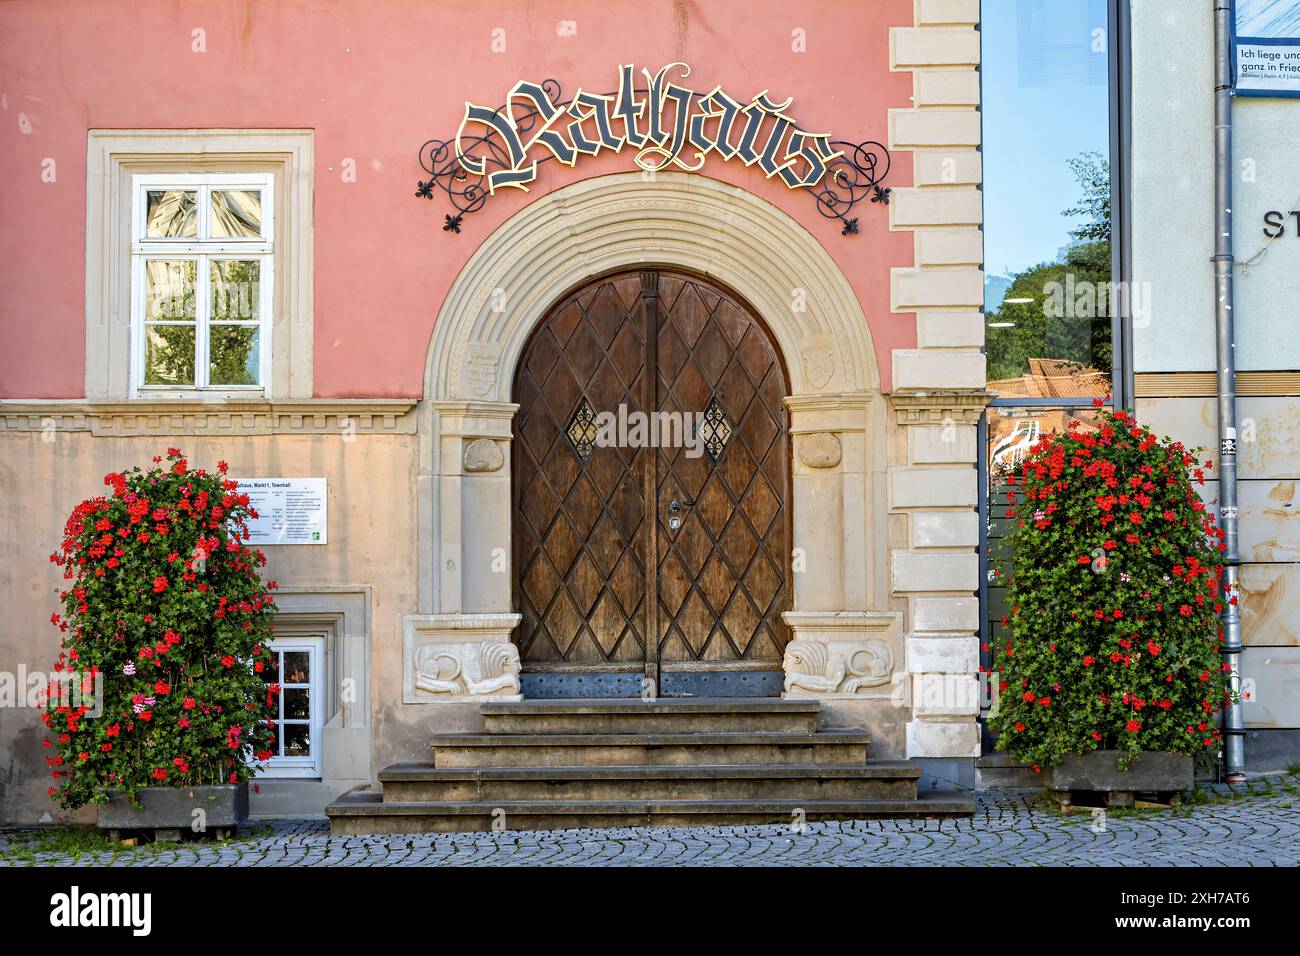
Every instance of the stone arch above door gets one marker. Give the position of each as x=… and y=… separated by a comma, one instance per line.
x=615, y=222
x=837, y=414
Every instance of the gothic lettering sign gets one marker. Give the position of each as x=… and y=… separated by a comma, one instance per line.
x=666, y=125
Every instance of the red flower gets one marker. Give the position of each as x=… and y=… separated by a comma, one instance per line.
x=1089, y=660
x=159, y=773
x=1133, y=726
x=159, y=584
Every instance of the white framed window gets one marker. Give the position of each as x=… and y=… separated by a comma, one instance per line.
x=202, y=280
x=297, y=668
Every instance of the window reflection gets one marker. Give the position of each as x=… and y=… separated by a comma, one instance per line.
x=1048, y=292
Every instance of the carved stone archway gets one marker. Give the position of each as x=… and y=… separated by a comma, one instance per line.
x=602, y=225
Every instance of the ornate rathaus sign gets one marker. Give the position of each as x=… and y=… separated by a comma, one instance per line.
x=666, y=124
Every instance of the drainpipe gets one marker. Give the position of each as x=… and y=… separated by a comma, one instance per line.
x=1226, y=370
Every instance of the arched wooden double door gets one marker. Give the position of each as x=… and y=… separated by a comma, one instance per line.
x=668, y=561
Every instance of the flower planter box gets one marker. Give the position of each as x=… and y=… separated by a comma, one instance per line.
x=1097, y=774
x=168, y=811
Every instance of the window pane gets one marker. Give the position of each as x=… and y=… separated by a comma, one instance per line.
x=296, y=703
x=271, y=669
x=233, y=355
x=297, y=667
x=1046, y=102
x=235, y=285
x=169, y=290
x=236, y=213
x=169, y=355
x=171, y=214
x=297, y=740
x=1011, y=433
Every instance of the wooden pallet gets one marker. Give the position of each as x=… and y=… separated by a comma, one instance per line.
x=1085, y=800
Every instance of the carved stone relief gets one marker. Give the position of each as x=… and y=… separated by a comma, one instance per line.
x=459, y=657
x=478, y=669
x=820, y=450
x=481, y=369
x=483, y=454
x=841, y=668
x=819, y=366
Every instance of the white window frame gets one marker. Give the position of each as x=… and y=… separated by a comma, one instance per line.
x=279, y=766
x=204, y=250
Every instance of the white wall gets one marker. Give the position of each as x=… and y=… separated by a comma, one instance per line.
x=1173, y=200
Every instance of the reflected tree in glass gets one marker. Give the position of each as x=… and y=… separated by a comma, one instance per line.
x=1051, y=334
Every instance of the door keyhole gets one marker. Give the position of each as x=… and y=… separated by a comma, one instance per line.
x=675, y=509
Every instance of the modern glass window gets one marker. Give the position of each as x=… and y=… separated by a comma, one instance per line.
x=1048, y=295
x=201, y=282
x=297, y=737
x=1051, y=298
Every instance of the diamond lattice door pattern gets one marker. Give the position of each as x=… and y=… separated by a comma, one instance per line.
x=701, y=527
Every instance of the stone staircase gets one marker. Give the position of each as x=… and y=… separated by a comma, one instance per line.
x=555, y=764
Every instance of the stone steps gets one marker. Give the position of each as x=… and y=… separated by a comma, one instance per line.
x=416, y=782
x=698, y=715
x=367, y=812
x=611, y=763
x=624, y=750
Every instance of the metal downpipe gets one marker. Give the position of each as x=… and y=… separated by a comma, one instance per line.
x=1226, y=372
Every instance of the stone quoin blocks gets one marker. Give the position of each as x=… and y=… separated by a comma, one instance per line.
x=939, y=388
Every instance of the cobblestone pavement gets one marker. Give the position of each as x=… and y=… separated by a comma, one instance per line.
x=1255, y=825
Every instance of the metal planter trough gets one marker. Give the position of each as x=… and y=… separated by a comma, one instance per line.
x=215, y=811
x=1095, y=779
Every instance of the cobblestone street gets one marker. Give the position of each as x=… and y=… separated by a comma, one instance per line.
x=1257, y=825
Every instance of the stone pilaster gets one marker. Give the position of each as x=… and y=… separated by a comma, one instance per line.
x=945, y=287
x=938, y=386
x=843, y=646
x=938, y=570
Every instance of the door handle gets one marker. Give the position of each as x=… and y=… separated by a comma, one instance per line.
x=676, y=506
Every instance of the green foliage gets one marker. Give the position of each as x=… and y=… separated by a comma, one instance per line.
x=166, y=608
x=1049, y=326
x=1092, y=170
x=1034, y=333
x=1114, y=596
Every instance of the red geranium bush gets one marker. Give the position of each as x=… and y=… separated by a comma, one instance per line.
x=1114, y=595
x=165, y=602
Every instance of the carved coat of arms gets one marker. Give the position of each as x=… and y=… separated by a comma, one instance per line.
x=819, y=364
x=481, y=372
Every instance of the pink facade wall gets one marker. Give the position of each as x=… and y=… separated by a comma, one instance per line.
x=375, y=80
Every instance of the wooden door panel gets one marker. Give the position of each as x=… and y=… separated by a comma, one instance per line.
x=588, y=519
x=722, y=573
x=580, y=511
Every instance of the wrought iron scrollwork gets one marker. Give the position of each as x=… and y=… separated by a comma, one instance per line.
x=855, y=175
x=468, y=192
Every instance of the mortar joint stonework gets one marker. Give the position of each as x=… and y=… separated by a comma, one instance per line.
x=935, y=486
